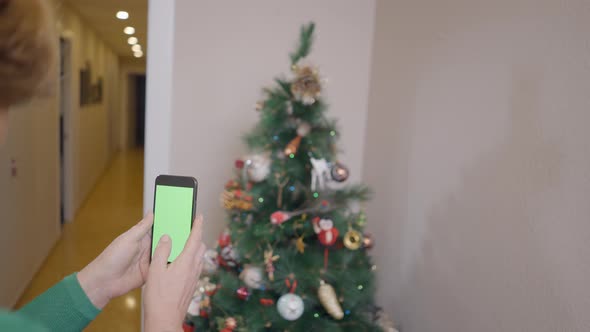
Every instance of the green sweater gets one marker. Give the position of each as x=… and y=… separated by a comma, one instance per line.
x=64, y=307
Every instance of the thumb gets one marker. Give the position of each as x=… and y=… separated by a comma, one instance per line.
x=162, y=251
x=143, y=227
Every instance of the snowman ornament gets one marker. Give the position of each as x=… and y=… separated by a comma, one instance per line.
x=290, y=306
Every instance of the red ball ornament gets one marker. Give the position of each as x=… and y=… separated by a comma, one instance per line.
x=188, y=327
x=328, y=237
x=224, y=239
x=267, y=302
x=226, y=330
x=204, y=313
x=243, y=293
x=368, y=242
x=239, y=164
x=279, y=217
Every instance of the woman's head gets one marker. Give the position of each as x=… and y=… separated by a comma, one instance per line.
x=28, y=51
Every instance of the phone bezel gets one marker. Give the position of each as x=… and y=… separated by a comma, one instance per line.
x=174, y=181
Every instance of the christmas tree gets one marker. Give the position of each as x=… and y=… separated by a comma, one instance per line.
x=294, y=255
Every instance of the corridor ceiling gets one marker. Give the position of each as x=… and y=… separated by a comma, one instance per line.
x=100, y=15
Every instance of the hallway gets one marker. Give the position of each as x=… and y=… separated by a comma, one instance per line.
x=113, y=206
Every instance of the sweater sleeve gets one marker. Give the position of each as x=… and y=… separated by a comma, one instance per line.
x=64, y=307
x=16, y=322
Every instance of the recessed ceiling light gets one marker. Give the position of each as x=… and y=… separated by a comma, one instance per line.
x=122, y=15
x=129, y=30
x=138, y=54
x=136, y=48
x=132, y=40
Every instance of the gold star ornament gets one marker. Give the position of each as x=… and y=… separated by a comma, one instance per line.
x=300, y=245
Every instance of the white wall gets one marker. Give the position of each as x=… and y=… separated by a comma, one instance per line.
x=29, y=201
x=94, y=131
x=224, y=53
x=479, y=151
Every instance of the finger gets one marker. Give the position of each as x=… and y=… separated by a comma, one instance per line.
x=199, y=258
x=162, y=252
x=194, y=241
x=143, y=227
x=199, y=269
x=197, y=272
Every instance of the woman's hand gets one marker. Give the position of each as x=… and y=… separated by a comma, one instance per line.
x=121, y=267
x=170, y=287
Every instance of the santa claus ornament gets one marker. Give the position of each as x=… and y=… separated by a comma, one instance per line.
x=327, y=233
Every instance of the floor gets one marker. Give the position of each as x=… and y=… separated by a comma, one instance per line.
x=112, y=207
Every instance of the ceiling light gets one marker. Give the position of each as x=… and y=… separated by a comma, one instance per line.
x=132, y=40
x=136, y=48
x=138, y=54
x=122, y=15
x=129, y=30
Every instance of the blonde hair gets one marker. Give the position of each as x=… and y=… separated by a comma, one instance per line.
x=28, y=49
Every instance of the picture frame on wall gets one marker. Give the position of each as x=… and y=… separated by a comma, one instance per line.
x=90, y=93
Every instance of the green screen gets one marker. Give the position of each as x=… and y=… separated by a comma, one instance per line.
x=173, y=216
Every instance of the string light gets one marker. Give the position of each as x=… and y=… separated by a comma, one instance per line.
x=292, y=188
x=332, y=133
x=316, y=315
x=316, y=195
x=292, y=155
x=260, y=200
x=347, y=312
x=122, y=15
x=360, y=287
x=275, y=137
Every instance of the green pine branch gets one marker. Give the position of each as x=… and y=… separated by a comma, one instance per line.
x=305, y=42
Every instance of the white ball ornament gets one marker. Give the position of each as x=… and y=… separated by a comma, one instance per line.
x=290, y=306
x=258, y=167
x=252, y=276
x=303, y=129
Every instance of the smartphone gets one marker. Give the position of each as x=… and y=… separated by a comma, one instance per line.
x=175, y=204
